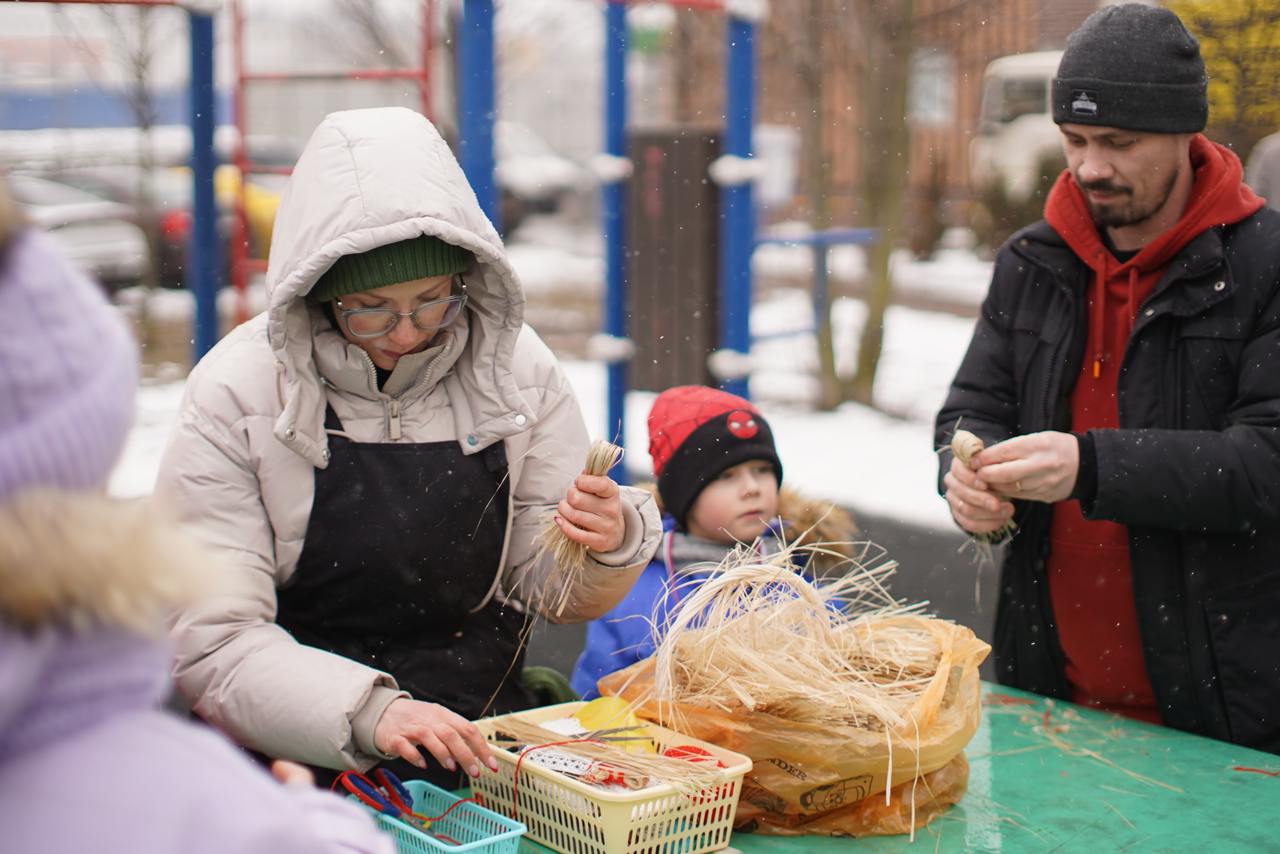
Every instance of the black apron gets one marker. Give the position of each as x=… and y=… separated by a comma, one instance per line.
x=403, y=543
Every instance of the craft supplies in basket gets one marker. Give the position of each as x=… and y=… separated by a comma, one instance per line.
x=451, y=823
x=623, y=811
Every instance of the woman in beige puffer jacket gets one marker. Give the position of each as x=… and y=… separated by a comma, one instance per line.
x=380, y=507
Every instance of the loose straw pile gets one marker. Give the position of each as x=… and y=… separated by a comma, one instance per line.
x=757, y=636
x=569, y=557
x=966, y=446
x=687, y=777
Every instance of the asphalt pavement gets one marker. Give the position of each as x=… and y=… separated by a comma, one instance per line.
x=931, y=566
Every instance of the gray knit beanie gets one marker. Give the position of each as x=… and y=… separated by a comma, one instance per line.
x=1134, y=67
x=68, y=373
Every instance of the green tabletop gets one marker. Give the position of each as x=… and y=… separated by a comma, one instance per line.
x=1052, y=776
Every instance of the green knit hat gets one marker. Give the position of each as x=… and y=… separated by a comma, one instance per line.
x=415, y=258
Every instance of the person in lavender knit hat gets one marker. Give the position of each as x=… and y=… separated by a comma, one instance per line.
x=89, y=761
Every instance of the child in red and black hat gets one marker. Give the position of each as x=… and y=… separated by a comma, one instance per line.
x=717, y=468
x=719, y=480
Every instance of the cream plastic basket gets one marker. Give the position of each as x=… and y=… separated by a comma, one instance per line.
x=576, y=818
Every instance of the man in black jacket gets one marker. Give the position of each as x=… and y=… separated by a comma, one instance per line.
x=1125, y=376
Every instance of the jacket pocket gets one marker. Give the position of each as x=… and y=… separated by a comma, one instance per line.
x=1031, y=344
x=1244, y=633
x=1210, y=348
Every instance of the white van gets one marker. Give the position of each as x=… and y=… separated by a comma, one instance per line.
x=1015, y=130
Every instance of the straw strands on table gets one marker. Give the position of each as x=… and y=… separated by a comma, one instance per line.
x=570, y=558
x=756, y=636
x=687, y=777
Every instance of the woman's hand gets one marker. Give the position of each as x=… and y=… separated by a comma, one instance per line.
x=291, y=773
x=452, y=739
x=591, y=513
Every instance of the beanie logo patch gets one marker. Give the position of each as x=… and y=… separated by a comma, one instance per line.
x=742, y=425
x=1084, y=103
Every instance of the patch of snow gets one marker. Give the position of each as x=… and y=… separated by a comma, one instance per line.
x=135, y=473
x=954, y=275
x=547, y=268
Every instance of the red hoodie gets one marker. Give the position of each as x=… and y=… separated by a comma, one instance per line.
x=1090, y=583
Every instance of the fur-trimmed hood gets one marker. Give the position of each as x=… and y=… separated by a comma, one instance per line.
x=80, y=561
x=84, y=583
x=85, y=586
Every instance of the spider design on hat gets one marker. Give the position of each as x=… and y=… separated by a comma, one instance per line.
x=742, y=424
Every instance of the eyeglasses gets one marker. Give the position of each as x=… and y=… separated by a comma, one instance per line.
x=376, y=322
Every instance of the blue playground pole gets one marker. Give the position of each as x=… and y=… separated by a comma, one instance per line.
x=737, y=210
x=205, y=267
x=475, y=104
x=615, y=223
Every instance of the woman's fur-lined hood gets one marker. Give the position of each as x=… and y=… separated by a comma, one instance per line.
x=84, y=560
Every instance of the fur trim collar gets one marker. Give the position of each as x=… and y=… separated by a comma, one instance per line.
x=82, y=560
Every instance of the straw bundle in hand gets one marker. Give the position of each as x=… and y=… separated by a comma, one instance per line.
x=966, y=446
x=569, y=557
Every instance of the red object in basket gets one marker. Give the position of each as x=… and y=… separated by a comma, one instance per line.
x=691, y=753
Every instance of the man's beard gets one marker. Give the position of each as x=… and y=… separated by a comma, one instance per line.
x=1123, y=212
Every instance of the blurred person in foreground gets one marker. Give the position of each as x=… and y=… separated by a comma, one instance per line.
x=89, y=760
x=1125, y=376
x=374, y=456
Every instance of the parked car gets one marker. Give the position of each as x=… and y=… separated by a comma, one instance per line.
x=96, y=234
x=170, y=218
x=1016, y=132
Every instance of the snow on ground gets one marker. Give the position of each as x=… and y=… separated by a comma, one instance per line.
x=954, y=275
x=876, y=463
x=135, y=474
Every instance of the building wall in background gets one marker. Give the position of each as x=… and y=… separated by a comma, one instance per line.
x=955, y=39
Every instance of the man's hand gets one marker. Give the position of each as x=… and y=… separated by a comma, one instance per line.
x=973, y=506
x=452, y=739
x=1035, y=467
x=591, y=513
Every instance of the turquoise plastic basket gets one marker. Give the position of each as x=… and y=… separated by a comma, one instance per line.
x=475, y=829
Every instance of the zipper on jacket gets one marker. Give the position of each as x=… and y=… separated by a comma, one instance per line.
x=1051, y=384
x=390, y=405
x=373, y=373
x=393, y=418
x=1038, y=558
x=1054, y=378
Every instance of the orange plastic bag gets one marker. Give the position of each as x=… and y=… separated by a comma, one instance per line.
x=805, y=775
x=933, y=794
